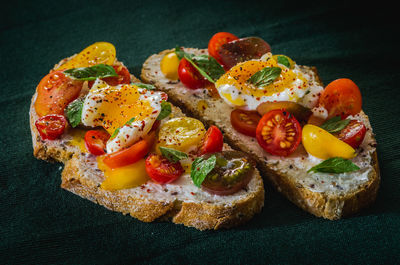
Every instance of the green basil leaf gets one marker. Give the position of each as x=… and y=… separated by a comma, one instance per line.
x=336, y=124
x=92, y=72
x=165, y=110
x=172, y=154
x=335, y=165
x=200, y=169
x=209, y=65
x=146, y=86
x=180, y=53
x=284, y=61
x=265, y=76
x=116, y=131
x=74, y=112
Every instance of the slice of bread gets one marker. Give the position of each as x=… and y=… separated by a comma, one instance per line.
x=331, y=197
x=181, y=201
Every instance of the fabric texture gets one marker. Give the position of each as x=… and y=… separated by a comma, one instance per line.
x=41, y=223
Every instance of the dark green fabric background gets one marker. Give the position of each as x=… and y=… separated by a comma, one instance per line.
x=41, y=223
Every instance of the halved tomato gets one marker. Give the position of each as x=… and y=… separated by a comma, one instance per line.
x=124, y=77
x=217, y=41
x=189, y=75
x=161, y=170
x=96, y=140
x=279, y=133
x=51, y=126
x=213, y=141
x=353, y=134
x=245, y=121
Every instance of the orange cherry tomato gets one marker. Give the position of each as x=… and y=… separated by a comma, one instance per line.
x=213, y=141
x=124, y=77
x=96, y=140
x=353, y=134
x=54, y=92
x=161, y=170
x=278, y=133
x=131, y=154
x=341, y=97
x=245, y=122
x=51, y=126
x=217, y=41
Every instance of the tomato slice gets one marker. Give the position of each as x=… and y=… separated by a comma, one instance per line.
x=96, y=140
x=131, y=154
x=279, y=133
x=217, y=41
x=189, y=75
x=51, y=126
x=124, y=77
x=54, y=92
x=213, y=141
x=353, y=134
x=161, y=170
x=341, y=97
x=242, y=50
x=245, y=122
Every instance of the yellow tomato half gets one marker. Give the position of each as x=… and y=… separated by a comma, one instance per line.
x=322, y=144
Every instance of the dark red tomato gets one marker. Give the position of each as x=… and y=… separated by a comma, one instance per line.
x=341, y=97
x=232, y=172
x=353, y=134
x=279, y=133
x=241, y=50
x=51, y=126
x=124, y=77
x=217, y=41
x=245, y=121
x=54, y=92
x=189, y=75
x=213, y=141
x=96, y=140
x=161, y=170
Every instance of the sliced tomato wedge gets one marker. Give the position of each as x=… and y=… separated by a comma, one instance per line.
x=161, y=170
x=217, y=41
x=353, y=134
x=131, y=154
x=51, y=126
x=213, y=141
x=96, y=140
x=189, y=75
x=279, y=133
x=245, y=122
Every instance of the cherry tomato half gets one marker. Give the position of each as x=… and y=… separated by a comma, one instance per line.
x=278, y=133
x=341, y=97
x=213, y=141
x=51, y=126
x=161, y=170
x=96, y=140
x=131, y=154
x=353, y=134
x=217, y=41
x=189, y=75
x=124, y=77
x=245, y=121
x=54, y=92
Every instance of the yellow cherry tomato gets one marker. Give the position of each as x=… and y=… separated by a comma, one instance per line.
x=280, y=58
x=181, y=133
x=322, y=144
x=169, y=66
x=97, y=53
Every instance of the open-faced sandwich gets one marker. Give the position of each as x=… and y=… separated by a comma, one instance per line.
x=313, y=143
x=127, y=148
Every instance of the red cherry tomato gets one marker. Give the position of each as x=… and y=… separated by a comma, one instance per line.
x=131, y=154
x=245, y=121
x=124, y=77
x=189, y=75
x=161, y=170
x=217, y=41
x=341, y=97
x=353, y=134
x=213, y=141
x=95, y=141
x=278, y=133
x=54, y=92
x=51, y=126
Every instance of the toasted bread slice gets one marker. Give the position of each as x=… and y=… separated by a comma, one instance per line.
x=181, y=201
x=331, y=197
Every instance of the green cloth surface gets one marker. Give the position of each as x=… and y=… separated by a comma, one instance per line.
x=41, y=223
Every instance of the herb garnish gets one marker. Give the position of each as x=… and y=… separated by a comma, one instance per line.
x=265, y=76
x=92, y=72
x=336, y=124
x=283, y=60
x=74, y=112
x=200, y=169
x=335, y=165
x=116, y=131
x=146, y=86
x=165, y=110
x=172, y=154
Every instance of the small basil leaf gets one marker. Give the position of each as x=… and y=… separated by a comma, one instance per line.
x=74, y=112
x=200, y=169
x=165, y=110
x=335, y=165
x=336, y=124
x=116, y=131
x=284, y=61
x=172, y=154
x=265, y=76
x=146, y=86
x=92, y=72
x=209, y=65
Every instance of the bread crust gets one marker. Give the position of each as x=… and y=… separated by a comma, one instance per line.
x=321, y=204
